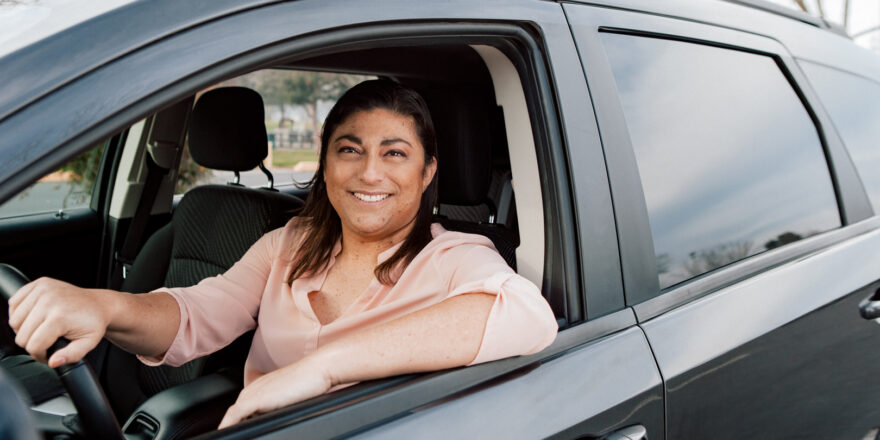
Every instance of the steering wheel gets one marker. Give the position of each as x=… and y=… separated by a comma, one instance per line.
x=93, y=410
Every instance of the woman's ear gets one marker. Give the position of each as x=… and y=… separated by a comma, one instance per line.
x=428, y=174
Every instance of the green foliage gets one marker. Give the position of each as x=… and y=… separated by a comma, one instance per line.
x=82, y=172
x=84, y=168
x=189, y=173
x=296, y=87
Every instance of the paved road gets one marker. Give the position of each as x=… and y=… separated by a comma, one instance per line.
x=44, y=197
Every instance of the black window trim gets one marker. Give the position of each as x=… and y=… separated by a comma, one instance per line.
x=641, y=284
x=833, y=133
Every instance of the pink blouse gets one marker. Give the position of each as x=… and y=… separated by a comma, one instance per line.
x=254, y=293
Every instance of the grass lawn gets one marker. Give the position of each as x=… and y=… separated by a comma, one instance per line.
x=289, y=158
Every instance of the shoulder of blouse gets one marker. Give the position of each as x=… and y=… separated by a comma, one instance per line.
x=452, y=249
x=445, y=239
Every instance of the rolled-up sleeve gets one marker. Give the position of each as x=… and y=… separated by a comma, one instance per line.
x=520, y=321
x=219, y=309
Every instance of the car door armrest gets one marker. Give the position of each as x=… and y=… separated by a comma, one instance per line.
x=185, y=410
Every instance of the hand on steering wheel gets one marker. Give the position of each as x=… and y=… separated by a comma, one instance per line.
x=91, y=404
x=46, y=309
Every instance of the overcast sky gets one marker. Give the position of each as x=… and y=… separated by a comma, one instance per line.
x=863, y=15
x=24, y=21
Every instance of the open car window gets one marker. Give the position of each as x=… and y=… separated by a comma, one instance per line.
x=68, y=187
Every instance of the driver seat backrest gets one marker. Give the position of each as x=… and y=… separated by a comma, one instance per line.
x=475, y=194
x=211, y=228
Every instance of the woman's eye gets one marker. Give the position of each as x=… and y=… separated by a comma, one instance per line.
x=347, y=150
x=395, y=153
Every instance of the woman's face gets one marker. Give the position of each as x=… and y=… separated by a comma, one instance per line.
x=375, y=174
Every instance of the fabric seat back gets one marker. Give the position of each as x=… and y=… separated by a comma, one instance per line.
x=211, y=228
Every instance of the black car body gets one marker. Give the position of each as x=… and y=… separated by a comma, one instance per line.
x=764, y=341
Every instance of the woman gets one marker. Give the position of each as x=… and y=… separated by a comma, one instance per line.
x=360, y=286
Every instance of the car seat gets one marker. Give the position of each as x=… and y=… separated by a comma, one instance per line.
x=475, y=191
x=211, y=228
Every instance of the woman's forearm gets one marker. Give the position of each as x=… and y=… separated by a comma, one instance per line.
x=46, y=309
x=144, y=324
x=445, y=335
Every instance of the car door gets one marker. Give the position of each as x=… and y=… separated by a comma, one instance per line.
x=750, y=243
x=597, y=379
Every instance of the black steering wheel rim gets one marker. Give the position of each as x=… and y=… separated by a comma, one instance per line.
x=9, y=283
x=93, y=409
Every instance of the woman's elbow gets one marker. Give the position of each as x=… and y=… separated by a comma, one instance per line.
x=545, y=329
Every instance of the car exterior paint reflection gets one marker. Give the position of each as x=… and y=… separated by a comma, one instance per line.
x=791, y=334
x=708, y=169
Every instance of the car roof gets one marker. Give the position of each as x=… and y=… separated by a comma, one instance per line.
x=38, y=66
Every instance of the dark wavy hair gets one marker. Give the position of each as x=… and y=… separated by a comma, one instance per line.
x=323, y=227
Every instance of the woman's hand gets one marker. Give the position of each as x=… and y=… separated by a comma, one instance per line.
x=294, y=383
x=46, y=309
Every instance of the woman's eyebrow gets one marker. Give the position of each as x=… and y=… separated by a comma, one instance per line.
x=392, y=141
x=349, y=137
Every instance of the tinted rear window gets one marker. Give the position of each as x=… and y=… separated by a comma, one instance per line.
x=731, y=163
x=854, y=105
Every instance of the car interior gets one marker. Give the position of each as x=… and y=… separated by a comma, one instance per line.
x=488, y=184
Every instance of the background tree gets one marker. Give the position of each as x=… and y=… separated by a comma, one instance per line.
x=82, y=172
x=703, y=261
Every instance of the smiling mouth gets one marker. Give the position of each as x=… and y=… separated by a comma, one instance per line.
x=370, y=197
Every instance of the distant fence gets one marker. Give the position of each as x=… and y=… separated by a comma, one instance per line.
x=285, y=139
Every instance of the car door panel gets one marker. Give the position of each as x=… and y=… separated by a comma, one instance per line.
x=64, y=246
x=586, y=392
x=534, y=394
x=782, y=355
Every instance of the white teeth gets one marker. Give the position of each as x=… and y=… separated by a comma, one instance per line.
x=370, y=198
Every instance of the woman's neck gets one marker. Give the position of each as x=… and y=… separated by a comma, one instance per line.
x=364, y=248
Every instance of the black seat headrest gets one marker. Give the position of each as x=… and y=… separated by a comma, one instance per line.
x=462, y=119
x=227, y=130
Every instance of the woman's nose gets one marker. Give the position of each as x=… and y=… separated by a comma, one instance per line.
x=372, y=171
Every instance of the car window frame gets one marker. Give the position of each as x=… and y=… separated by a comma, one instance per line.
x=641, y=283
x=562, y=272
x=838, y=70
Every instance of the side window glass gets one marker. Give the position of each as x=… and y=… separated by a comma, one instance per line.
x=68, y=187
x=854, y=105
x=296, y=103
x=730, y=162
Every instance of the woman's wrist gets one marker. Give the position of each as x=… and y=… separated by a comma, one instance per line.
x=321, y=363
x=113, y=305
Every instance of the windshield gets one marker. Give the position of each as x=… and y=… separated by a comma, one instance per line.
x=23, y=22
